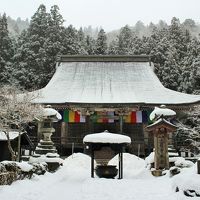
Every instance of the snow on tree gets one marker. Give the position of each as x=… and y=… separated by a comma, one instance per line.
x=16, y=111
x=6, y=51
x=90, y=45
x=125, y=41
x=101, y=44
x=187, y=135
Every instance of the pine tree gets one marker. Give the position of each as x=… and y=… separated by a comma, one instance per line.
x=6, y=51
x=82, y=41
x=53, y=44
x=90, y=45
x=101, y=44
x=38, y=48
x=125, y=41
x=113, y=48
x=30, y=60
x=71, y=42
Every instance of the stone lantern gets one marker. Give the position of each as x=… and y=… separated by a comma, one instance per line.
x=45, y=129
x=160, y=130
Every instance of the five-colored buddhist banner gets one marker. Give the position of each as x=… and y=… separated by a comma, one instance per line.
x=105, y=117
x=72, y=116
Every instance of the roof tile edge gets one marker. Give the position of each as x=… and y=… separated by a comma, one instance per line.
x=103, y=58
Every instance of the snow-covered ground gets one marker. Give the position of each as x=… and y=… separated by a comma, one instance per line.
x=73, y=182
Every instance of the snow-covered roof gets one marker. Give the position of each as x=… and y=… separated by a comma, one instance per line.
x=12, y=135
x=106, y=137
x=161, y=120
x=114, y=82
x=50, y=112
x=163, y=111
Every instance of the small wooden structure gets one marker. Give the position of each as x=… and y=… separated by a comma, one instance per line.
x=25, y=144
x=103, y=147
x=160, y=130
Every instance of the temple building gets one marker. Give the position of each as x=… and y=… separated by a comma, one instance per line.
x=114, y=93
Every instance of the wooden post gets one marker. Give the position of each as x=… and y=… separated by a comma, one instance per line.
x=119, y=162
x=19, y=147
x=121, y=123
x=121, y=165
x=63, y=133
x=92, y=162
x=198, y=166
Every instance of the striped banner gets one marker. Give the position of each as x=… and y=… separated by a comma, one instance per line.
x=137, y=117
x=73, y=116
x=106, y=117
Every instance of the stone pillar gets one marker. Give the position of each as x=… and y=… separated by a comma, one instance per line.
x=161, y=158
x=160, y=130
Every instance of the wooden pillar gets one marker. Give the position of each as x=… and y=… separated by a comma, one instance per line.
x=63, y=133
x=92, y=162
x=39, y=130
x=120, y=165
x=198, y=167
x=121, y=157
x=119, y=160
x=121, y=123
x=89, y=122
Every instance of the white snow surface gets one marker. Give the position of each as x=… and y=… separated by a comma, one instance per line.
x=188, y=179
x=24, y=166
x=109, y=82
x=49, y=112
x=133, y=167
x=72, y=181
x=178, y=161
x=44, y=158
x=157, y=112
x=107, y=137
x=12, y=135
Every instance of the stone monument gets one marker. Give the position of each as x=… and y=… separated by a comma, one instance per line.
x=160, y=130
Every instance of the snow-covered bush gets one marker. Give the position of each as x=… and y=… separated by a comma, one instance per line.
x=39, y=168
x=11, y=171
x=187, y=182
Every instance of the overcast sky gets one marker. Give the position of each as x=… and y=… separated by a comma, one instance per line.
x=110, y=14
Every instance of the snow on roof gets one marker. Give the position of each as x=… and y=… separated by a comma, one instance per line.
x=159, y=121
x=12, y=135
x=106, y=137
x=109, y=82
x=48, y=112
x=163, y=111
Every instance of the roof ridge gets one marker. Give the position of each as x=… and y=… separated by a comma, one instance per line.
x=104, y=58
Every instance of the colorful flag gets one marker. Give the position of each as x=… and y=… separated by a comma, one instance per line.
x=73, y=116
x=139, y=117
x=110, y=115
